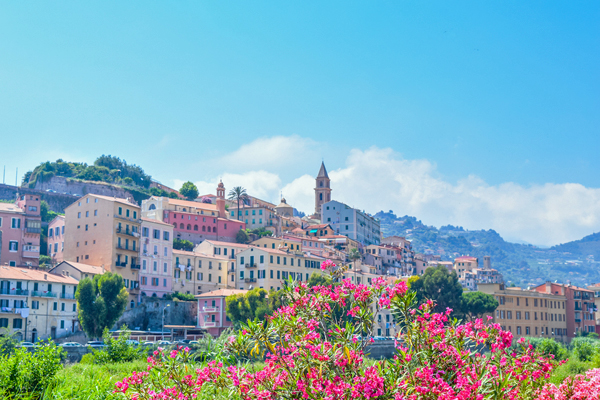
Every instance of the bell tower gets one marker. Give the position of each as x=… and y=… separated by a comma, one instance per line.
x=221, y=199
x=322, y=190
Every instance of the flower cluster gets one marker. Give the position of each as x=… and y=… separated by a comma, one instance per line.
x=315, y=347
x=581, y=387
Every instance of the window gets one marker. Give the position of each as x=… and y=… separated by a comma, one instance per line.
x=95, y=213
x=13, y=245
x=74, y=307
x=16, y=223
x=144, y=265
x=35, y=305
x=17, y=323
x=120, y=211
x=62, y=324
x=127, y=213
x=3, y=322
x=156, y=233
x=145, y=232
x=166, y=236
x=79, y=214
x=55, y=306
x=165, y=267
x=135, y=215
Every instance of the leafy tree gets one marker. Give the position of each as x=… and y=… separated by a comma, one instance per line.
x=189, y=191
x=477, y=304
x=354, y=255
x=260, y=232
x=8, y=342
x=45, y=212
x=173, y=195
x=117, y=349
x=317, y=279
x=180, y=296
x=240, y=195
x=549, y=347
x=440, y=286
x=100, y=302
x=184, y=245
x=45, y=261
x=241, y=236
x=256, y=303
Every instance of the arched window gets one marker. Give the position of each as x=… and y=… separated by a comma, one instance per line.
x=152, y=207
x=214, y=229
x=320, y=196
x=189, y=227
x=321, y=183
x=203, y=228
x=184, y=210
x=180, y=226
x=195, y=227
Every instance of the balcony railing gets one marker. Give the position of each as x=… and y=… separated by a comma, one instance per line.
x=209, y=324
x=249, y=280
x=135, y=266
x=250, y=265
x=210, y=309
x=126, y=232
x=33, y=230
x=121, y=264
x=67, y=296
x=37, y=293
x=15, y=292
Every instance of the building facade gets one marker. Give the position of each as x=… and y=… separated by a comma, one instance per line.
x=211, y=310
x=348, y=221
x=37, y=305
x=20, y=229
x=156, y=258
x=56, y=239
x=105, y=232
x=77, y=271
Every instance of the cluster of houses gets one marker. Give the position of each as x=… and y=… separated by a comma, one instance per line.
x=99, y=234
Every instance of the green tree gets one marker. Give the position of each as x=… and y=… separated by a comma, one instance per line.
x=184, y=245
x=477, y=304
x=240, y=195
x=189, y=191
x=317, y=279
x=440, y=286
x=241, y=236
x=45, y=261
x=100, y=302
x=256, y=303
x=45, y=212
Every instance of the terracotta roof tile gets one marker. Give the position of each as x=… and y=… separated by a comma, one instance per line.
x=24, y=274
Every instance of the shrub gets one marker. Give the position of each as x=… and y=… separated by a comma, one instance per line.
x=309, y=354
x=29, y=373
x=117, y=349
x=579, y=387
x=549, y=348
x=583, y=348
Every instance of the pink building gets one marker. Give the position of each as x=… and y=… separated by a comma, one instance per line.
x=192, y=220
x=56, y=239
x=211, y=310
x=20, y=228
x=156, y=244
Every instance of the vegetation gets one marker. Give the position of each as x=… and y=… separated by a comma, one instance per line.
x=45, y=212
x=441, y=286
x=476, y=304
x=100, y=302
x=189, y=191
x=117, y=350
x=241, y=236
x=239, y=195
x=256, y=304
x=107, y=169
x=260, y=232
x=184, y=245
x=180, y=296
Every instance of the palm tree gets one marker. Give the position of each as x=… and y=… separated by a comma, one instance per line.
x=238, y=194
x=354, y=255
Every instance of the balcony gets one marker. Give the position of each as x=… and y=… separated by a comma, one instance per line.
x=15, y=292
x=231, y=269
x=135, y=221
x=37, y=293
x=121, y=247
x=210, y=309
x=209, y=324
x=250, y=265
x=135, y=266
x=127, y=232
x=250, y=280
x=67, y=296
x=577, y=319
x=121, y=264
x=30, y=251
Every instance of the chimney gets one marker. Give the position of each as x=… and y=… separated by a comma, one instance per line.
x=548, y=287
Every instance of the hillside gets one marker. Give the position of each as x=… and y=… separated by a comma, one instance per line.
x=523, y=265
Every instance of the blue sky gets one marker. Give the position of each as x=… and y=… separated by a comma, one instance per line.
x=501, y=92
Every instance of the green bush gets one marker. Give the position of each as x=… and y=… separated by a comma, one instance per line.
x=87, y=359
x=549, y=347
x=117, y=349
x=27, y=373
x=584, y=348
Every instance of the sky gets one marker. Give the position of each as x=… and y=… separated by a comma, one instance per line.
x=478, y=114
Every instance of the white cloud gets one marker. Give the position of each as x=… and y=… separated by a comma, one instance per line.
x=380, y=179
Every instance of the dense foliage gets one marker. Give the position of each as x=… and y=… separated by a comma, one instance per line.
x=180, y=296
x=309, y=355
x=477, y=304
x=189, y=190
x=105, y=169
x=117, y=349
x=255, y=304
x=100, y=302
x=27, y=373
x=179, y=244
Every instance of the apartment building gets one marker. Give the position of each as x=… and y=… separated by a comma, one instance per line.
x=596, y=289
x=227, y=250
x=37, y=305
x=579, y=306
x=267, y=268
x=56, y=239
x=286, y=243
x=256, y=216
x=156, y=258
x=20, y=229
x=105, y=232
x=340, y=242
x=77, y=271
x=529, y=313
x=470, y=274
x=195, y=272
x=212, y=314
x=192, y=220
x=348, y=221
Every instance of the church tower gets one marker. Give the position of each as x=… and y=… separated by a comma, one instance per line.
x=221, y=199
x=322, y=190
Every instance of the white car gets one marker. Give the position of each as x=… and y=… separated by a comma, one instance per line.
x=70, y=344
x=26, y=344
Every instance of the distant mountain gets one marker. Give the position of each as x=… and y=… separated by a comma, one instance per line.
x=522, y=264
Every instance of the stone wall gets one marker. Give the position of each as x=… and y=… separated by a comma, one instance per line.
x=56, y=201
x=381, y=349
x=148, y=314
x=76, y=187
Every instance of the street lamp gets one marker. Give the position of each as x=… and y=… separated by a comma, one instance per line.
x=163, y=322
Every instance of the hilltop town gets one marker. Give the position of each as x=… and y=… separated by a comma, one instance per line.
x=213, y=245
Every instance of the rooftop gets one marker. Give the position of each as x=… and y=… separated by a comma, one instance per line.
x=221, y=293
x=155, y=221
x=9, y=207
x=85, y=268
x=24, y=274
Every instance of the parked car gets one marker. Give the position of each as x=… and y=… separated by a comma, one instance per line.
x=95, y=344
x=194, y=342
x=132, y=342
x=70, y=344
x=26, y=344
x=148, y=344
x=163, y=343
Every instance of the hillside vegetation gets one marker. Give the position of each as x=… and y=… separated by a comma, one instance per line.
x=523, y=265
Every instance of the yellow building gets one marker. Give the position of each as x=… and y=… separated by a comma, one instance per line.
x=527, y=313
x=195, y=272
x=37, y=305
x=277, y=243
x=105, y=232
